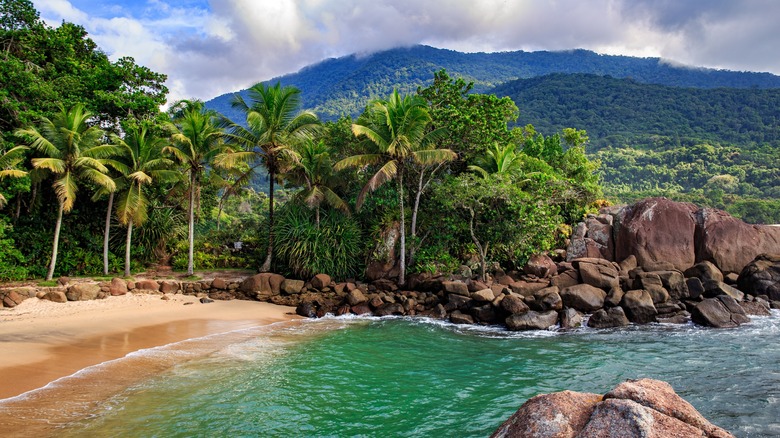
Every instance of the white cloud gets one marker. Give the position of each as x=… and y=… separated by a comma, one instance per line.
x=234, y=43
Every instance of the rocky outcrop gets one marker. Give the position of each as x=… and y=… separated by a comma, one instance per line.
x=722, y=311
x=761, y=277
x=635, y=408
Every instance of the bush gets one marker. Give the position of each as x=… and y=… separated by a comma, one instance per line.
x=12, y=261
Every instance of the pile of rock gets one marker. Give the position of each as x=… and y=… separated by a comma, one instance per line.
x=635, y=408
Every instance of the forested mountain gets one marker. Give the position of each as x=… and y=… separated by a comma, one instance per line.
x=344, y=85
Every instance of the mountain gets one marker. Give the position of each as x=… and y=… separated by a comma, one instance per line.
x=344, y=85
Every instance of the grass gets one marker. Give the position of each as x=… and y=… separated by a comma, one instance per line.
x=50, y=283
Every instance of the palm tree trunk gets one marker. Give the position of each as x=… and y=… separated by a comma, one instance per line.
x=105, y=233
x=267, y=263
x=56, y=245
x=191, y=228
x=402, y=271
x=219, y=212
x=127, y=248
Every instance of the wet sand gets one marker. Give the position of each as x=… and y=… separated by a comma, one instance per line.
x=42, y=342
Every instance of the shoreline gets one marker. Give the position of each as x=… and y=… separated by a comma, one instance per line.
x=44, y=341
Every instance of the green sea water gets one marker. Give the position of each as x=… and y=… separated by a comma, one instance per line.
x=418, y=378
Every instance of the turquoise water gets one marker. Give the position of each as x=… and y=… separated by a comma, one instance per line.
x=401, y=377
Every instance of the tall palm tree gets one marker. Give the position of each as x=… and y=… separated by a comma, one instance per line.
x=397, y=135
x=314, y=171
x=144, y=164
x=8, y=162
x=272, y=127
x=195, y=143
x=74, y=151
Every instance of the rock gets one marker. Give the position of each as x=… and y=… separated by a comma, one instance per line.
x=219, y=284
x=263, y=285
x=695, y=287
x=585, y=247
x=384, y=284
x=457, y=317
x=704, y=271
x=583, y=297
x=485, y=314
x=388, y=309
x=514, y=304
x=55, y=296
x=63, y=281
x=292, y=287
x=657, y=229
x=638, y=306
x=570, y=318
x=757, y=308
x=540, y=265
x=658, y=293
x=565, y=279
x=147, y=285
x=532, y=321
x=629, y=419
x=714, y=288
x=456, y=287
x=527, y=288
x=547, y=299
x=660, y=396
x=306, y=309
x=83, y=292
x=476, y=285
x=355, y=297
x=117, y=287
x=614, y=296
x=561, y=414
x=731, y=278
x=169, y=287
x=320, y=281
x=600, y=275
x=11, y=298
x=612, y=317
x=674, y=282
x=206, y=300
x=628, y=263
x=761, y=276
x=458, y=301
x=730, y=243
x=483, y=296
x=722, y=311
x=361, y=309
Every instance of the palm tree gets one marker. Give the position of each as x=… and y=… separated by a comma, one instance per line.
x=196, y=141
x=74, y=151
x=144, y=164
x=272, y=127
x=504, y=161
x=314, y=171
x=397, y=132
x=8, y=162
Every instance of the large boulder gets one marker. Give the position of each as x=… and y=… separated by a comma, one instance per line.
x=704, y=271
x=560, y=414
x=355, y=297
x=148, y=285
x=262, y=286
x=598, y=273
x=11, y=298
x=638, y=306
x=730, y=243
x=629, y=419
x=714, y=288
x=547, y=299
x=292, y=287
x=761, y=276
x=612, y=317
x=55, y=296
x=83, y=292
x=532, y=321
x=540, y=265
x=320, y=281
x=583, y=297
x=514, y=304
x=117, y=287
x=721, y=312
x=657, y=229
x=456, y=287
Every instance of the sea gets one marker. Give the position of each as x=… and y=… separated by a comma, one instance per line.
x=411, y=377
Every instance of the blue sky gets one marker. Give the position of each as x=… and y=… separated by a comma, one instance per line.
x=211, y=47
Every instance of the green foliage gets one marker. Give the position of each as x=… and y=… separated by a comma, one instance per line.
x=303, y=249
x=13, y=264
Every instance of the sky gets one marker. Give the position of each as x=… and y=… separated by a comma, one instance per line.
x=212, y=47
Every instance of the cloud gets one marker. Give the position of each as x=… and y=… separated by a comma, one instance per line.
x=225, y=45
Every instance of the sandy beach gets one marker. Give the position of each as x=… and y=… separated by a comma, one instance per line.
x=42, y=341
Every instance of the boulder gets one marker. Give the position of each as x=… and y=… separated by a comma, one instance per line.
x=167, y=287
x=547, y=299
x=714, y=288
x=657, y=229
x=586, y=247
x=476, y=285
x=83, y=292
x=638, y=306
x=583, y=297
x=570, y=318
x=458, y=301
x=629, y=419
x=532, y=321
x=292, y=287
x=219, y=284
x=612, y=317
x=306, y=309
x=263, y=285
x=761, y=276
x=704, y=271
x=730, y=243
x=674, y=282
x=527, y=288
x=320, y=281
x=514, y=304
x=628, y=263
x=561, y=414
x=695, y=288
x=460, y=318
x=388, y=309
x=485, y=314
x=757, y=308
x=601, y=275
x=117, y=287
x=540, y=265
x=56, y=296
x=361, y=309
x=11, y=298
x=659, y=294
x=456, y=287
x=720, y=312
x=147, y=285
x=483, y=296
x=566, y=279
x=614, y=296
x=355, y=297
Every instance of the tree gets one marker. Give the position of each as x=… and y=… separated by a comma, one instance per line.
x=73, y=151
x=196, y=142
x=272, y=128
x=314, y=171
x=397, y=134
x=144, y=164
x=498, y=160
x=9, y=161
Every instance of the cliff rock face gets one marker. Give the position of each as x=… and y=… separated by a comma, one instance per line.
x=657, y=230
x=634, y=408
